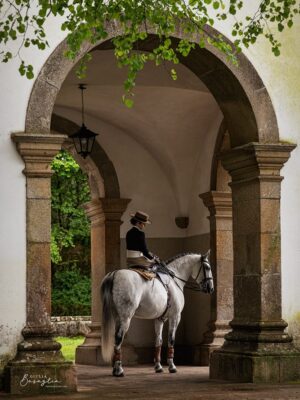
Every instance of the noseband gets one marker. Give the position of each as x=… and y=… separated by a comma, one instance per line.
x=201, y=287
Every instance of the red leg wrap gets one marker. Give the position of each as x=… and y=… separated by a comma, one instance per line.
x=171, y=352
x=117, y=356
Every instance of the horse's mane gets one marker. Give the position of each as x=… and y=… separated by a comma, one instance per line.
x=170, y=260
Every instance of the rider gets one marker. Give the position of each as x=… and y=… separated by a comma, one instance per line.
x=137, y=251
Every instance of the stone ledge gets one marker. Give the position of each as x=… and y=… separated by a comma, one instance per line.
x=71, y=326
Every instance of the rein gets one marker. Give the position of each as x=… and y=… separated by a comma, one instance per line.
x=189, y=285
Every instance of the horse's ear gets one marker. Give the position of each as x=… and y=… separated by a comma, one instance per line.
x=207, y=254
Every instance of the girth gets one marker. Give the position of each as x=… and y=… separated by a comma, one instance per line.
x=163, y=317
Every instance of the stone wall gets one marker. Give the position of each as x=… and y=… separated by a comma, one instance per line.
x=71, y=326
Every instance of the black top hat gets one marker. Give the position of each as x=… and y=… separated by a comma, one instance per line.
x=140, y=216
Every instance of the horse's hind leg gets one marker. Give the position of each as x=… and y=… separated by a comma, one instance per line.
x=121, y=328
x=158, y=342
x=173, y=323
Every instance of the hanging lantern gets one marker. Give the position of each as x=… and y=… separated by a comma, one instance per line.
x=83, y=139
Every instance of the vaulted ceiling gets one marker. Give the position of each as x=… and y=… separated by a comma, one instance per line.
x=170, y=119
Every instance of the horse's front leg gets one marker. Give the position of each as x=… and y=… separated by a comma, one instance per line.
x=158, y=343
x=173, y=323
x=121, y=329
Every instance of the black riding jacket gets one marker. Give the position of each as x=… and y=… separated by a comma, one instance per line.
x=135, y=240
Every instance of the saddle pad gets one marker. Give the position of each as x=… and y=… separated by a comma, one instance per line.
x=148, y=275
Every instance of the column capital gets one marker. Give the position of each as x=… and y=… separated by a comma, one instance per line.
x=94, y=212
x=219, y=203
x=37, y=151
x=256, y=160
x=114, y=208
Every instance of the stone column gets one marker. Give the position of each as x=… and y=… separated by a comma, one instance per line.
x=90, y=351
x=220, y=208
x=105, y=215
x=258, y=349
x=38, y=358
x=113, y=210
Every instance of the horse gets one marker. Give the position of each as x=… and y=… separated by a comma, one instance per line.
x=126, y=294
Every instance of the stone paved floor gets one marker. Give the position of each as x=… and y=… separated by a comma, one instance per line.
x=141, y=383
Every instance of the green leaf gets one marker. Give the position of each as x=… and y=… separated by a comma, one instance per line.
x=173, y=74
x=128, y=102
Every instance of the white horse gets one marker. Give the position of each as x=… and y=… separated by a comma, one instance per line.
x=125, y=294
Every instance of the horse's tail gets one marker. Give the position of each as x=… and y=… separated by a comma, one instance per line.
x=108, y=321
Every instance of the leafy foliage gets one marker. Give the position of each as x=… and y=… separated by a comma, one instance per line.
x=70, y=238
x=70, y=189
x=86, y=21
x=71, y=292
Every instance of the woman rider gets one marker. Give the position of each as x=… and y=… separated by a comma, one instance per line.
x=137, y=251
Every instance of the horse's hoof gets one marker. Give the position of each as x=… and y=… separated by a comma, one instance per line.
x=159, y=370
x=172, y=370
x=119, y=375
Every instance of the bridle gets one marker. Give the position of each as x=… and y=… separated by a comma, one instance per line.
x=196, y=287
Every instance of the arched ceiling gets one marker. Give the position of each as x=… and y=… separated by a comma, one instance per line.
x=170, y=119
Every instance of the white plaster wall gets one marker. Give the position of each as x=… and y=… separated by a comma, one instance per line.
x=15, y=92
x=200, y=182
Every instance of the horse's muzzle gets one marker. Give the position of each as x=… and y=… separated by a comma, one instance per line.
x=207, y=286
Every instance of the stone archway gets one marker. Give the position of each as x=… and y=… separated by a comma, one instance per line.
x=254, y=164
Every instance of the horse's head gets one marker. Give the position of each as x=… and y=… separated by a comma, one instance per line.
x=203, y=274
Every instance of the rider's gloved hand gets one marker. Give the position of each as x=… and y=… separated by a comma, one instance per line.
x=156, y=258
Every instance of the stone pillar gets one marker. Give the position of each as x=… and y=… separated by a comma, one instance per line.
x=38, y=358
x=220, y=208
x=113, y=210
x=90, y=351
x=105, y=215
x=257, y=349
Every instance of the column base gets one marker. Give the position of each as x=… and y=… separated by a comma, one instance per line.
x=213, y=340
x=39, y=368
x=40, y=378
x=205, y=353
x=90, y=354
x=256, y=367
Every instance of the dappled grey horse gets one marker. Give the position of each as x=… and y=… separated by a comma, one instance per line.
x=125, y=294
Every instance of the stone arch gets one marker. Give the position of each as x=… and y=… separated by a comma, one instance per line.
x=99, y=158
x=239, y=91
x=220, y=178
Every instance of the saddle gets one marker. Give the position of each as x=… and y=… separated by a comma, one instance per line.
x=145, y=273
